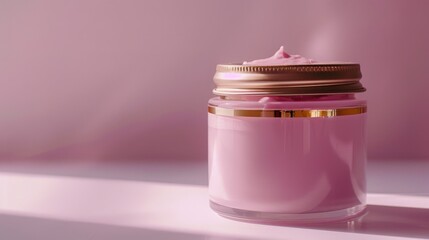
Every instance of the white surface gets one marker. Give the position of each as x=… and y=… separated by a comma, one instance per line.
x=64, y=201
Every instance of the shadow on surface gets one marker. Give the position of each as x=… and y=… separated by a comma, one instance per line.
x=20, y=228
x=386, y=220
x=164, y=171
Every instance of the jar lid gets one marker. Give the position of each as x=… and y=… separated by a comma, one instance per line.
x=284, y=80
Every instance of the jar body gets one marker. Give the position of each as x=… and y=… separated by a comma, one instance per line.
x=288, y=159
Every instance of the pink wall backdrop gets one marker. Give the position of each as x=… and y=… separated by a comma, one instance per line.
x=111, y=79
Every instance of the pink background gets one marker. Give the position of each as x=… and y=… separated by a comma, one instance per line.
x=130, y=79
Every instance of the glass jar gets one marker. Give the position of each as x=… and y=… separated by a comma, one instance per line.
x=287, y=143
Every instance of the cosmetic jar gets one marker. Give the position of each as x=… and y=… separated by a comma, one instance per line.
x=286, y=144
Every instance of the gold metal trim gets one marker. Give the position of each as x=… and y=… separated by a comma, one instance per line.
x=306, y=79
x=351, y=68
x=299, y=113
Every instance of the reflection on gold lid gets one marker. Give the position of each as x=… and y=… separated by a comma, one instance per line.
x=309, y=79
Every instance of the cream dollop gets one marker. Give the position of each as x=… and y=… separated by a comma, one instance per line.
x=280, y=58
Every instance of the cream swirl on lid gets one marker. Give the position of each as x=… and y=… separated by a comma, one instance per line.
x=280, y=58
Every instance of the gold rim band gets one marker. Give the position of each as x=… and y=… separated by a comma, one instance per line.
x=299, y=113
x=287, y=80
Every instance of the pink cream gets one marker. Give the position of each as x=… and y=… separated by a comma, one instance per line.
x=292, y=165
x=287, y=169
x=280, y=58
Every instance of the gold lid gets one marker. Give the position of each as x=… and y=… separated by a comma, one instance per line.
x=281, y=80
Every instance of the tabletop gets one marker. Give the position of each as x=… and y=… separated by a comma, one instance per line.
x=161, y=199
